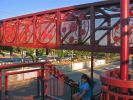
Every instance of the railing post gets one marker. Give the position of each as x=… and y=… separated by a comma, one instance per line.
x=46, y=81
x=0, y=85
x=116, y=97
x=38, y=83
x=132, y=64
x=72, y=91
x=42, y=82
x=105, y=95
x=101, y=96
x=6, y=87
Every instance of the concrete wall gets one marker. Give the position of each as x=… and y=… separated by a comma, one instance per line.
x=80, y=65
x=63, y=68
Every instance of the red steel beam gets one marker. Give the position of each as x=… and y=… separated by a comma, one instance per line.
x=21, y=72
x=20, y=41
x=107, y=49
x=124, y=40
x=22, y=65
x=34, y=18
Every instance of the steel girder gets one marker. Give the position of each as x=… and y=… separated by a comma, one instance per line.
x=93, y=26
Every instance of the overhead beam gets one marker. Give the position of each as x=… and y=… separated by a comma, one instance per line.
x=106, y=49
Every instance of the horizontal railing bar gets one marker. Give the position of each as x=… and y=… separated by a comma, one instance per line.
x=53, y=97
x=8, y=66
x=112, y=81
x=20, y=72
x=118, y=94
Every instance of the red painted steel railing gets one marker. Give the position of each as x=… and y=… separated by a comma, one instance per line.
x=112, y=85
x=51, y=83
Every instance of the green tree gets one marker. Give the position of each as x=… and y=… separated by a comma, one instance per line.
x=6, y=48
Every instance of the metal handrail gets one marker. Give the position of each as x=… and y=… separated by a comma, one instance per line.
x=42, y=66
x=55, y=98
x=112, y=84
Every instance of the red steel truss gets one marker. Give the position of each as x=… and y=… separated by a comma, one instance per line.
x=93, y=27
x=98, y=27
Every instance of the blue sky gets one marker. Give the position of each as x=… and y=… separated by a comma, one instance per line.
x=10, y=8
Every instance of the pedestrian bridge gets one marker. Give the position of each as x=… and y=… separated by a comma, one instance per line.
x=97, y=27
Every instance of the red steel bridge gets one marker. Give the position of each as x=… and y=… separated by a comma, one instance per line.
x=105, y=26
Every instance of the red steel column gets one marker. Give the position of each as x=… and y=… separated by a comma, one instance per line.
x=124, y=39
